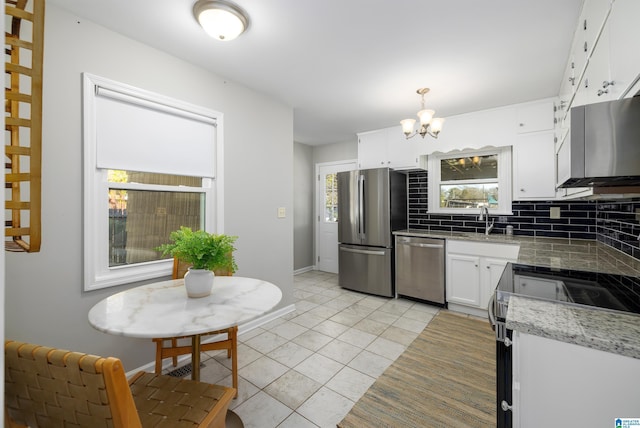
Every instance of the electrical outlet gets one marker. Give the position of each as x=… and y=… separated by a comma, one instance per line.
x=554, y=212
x=282, y=212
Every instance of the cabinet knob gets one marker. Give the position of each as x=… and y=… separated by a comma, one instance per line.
x=488, y=267
x=522, y=190
x=476, y=265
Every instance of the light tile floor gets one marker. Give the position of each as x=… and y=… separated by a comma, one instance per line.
x=309, y=367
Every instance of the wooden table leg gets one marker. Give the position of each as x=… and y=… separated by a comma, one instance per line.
x=195, y=357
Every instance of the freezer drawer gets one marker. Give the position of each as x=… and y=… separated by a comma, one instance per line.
x=420, y=268
x=366, y=269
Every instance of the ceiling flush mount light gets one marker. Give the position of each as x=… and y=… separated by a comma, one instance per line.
x=428, y=124
x=221, y=19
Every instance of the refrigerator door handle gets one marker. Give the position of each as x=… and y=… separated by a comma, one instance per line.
x=368, y=252
x=361, y=213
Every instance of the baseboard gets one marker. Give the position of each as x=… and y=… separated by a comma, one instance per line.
x=243, y=328
x=303, y=270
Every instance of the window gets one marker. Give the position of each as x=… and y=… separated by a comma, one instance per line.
x=142, y=179
x=468, y=180
x=331, y=198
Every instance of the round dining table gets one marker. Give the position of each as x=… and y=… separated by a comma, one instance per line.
x=163, y=310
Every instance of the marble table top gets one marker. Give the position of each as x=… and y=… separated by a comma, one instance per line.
x=162, y=309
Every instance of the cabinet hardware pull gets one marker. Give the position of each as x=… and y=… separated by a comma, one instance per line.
x=602, y=91
x=607, y=83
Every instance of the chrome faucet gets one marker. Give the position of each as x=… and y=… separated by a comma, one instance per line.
x=484, y=215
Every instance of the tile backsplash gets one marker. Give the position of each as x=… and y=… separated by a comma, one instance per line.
x=615, y=223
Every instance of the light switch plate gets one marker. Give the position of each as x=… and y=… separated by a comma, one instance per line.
x=554, y=212
x=282, y=212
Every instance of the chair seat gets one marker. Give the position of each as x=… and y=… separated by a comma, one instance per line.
x=166, y=401
x=51, y=387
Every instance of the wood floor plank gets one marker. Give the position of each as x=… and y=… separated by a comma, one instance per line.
x=446, y=377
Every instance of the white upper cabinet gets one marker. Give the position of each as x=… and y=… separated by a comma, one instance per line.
x=372, y=149
x=534, y=167
x=388, y=148
x=533, y=117
x=624, y=54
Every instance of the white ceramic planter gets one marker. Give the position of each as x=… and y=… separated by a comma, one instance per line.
x=198, y=282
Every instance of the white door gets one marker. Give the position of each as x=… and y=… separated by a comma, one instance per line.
x=327, y=214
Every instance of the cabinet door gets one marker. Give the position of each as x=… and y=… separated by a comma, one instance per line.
x=624, y=56
x=403, y=153
x=534, y=167
x=558, y=384
x=492, y=270
x=372, y=149
x=535, y=117
x=463, y=279
x=597, y=73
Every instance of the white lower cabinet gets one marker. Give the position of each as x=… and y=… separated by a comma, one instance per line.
x=473, y=271
x=559, y=384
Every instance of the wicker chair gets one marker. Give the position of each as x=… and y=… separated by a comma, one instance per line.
x=47, y=387
x=169, y=347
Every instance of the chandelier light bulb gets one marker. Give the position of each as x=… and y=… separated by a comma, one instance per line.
x=428, y=124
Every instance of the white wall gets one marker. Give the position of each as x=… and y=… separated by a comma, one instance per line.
x=44, y=300
x=303, y=206
x=336, y=152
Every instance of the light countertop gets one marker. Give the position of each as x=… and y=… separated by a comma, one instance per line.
x=576, y=254
x=614, y=332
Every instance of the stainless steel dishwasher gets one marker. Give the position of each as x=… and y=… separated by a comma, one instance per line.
x=420, y=268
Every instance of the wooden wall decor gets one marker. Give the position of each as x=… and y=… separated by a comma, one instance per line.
x=24, y=40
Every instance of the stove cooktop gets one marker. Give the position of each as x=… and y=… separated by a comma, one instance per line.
x=583, y=288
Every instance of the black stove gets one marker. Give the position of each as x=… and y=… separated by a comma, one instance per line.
x=573, y=287
x=603, y=291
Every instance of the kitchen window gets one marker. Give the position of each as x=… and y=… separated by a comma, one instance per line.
x=465, y=181
x=151, y=165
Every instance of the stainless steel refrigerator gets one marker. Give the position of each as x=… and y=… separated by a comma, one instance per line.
x=372, y=203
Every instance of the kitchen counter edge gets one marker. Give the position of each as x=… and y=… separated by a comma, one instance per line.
x=608, y=331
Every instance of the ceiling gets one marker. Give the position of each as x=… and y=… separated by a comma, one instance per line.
x=347, y=66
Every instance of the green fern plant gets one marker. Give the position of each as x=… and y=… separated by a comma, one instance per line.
x=202, y=249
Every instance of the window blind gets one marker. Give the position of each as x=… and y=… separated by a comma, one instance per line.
x=138, y=134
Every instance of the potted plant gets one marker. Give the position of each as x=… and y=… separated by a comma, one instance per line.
x=205, y=252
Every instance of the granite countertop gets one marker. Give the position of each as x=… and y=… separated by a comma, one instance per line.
x=576, y=254
x=599, y=329
x=608, y=331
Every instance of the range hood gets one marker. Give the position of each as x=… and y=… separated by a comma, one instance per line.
x=605, y=144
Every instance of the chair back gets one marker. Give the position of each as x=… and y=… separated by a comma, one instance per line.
x=49, y=387
x=180, y=268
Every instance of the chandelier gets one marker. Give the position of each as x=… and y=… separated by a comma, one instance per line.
x=428, y=124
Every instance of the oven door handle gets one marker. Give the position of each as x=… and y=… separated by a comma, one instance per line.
x=491, y=311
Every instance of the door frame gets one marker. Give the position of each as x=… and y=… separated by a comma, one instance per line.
x=349, y=165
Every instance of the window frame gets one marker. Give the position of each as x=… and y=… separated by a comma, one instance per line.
x=96, y=271
x=504, y=180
